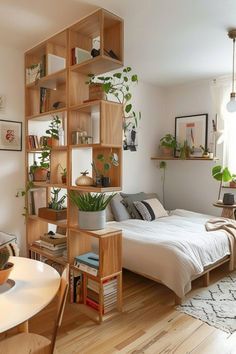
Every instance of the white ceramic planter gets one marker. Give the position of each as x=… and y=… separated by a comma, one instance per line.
x=92, y=220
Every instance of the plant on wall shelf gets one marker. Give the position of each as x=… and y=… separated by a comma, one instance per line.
x=39, y=170
x=118, y=86
x=106, y=163
x=56, y=203
x=168, y=144
x=221, y=174
x=163, y=166
x=63, y=173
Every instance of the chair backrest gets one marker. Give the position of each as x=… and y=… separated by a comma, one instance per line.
x=62, y=296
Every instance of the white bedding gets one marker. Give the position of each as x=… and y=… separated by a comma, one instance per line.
x=172, y=249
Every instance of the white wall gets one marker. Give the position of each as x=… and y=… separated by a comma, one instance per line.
x=139, y=172
x=189, y=184
x=11, y=162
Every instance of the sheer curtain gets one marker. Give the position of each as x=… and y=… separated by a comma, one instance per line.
x=226, y=122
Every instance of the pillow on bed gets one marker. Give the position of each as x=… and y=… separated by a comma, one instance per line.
x=150, y=209
x=129, y=199
x=118, y=209
x=109, y=214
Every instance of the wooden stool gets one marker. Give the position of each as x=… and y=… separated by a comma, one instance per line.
x=228, y=211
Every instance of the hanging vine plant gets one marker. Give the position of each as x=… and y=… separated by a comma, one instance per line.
x=118, y=86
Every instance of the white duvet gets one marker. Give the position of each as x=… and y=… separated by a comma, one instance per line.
x=172, y=249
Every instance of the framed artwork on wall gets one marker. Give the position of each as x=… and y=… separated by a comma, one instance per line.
x=10, y=135
x=192, y=129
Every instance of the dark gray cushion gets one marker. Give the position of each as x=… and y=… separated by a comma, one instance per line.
x=129, y=199
x=119, y=211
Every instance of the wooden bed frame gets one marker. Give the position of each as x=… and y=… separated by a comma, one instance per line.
x=205, y=274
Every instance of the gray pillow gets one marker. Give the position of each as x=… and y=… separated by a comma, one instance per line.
x=119, y=211
x=129, y=199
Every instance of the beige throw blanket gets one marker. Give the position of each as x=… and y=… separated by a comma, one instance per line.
x=229, y=226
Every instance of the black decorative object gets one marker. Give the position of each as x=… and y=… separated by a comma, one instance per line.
x=106, y=181
x=95, y=52
x=228, y=199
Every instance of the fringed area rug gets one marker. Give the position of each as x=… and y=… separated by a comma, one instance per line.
x=215, y=305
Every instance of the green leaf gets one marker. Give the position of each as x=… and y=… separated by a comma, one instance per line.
x=106, y=87
x=128, y=108
x=128, y=96
x=126, y=79
x=100, y=157
x=226, y=175
x=117, y=75
x=107, y=166
x=134, y=78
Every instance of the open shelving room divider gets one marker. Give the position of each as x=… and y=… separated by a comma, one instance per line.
x=63, y=83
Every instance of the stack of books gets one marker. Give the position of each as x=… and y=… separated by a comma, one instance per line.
x=44, y=100
x=76, y=286
x=54, y=245
x=33, y=142
x=88, y=262
x=110, y=289
x=78, y=55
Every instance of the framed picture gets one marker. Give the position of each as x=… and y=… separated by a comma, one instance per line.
x=10, y=135
x=193, y=130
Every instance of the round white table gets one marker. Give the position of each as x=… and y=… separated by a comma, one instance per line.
x=36, y=284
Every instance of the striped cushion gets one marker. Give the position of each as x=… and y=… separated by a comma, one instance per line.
x=150, y=209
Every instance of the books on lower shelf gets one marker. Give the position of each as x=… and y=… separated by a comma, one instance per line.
x=44, y=100
x=109, y=293
x=88, y=262
x=76, y=286
x=78, y=55
x=52, y=250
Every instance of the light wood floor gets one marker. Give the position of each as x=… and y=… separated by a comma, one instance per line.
x=149, y=324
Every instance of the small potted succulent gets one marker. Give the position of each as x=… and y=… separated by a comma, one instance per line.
x=184, y=150
x=53, y=132
x=232, y=183
x=168, y=144
x=56, y=209
x=91, y=206
x=5, y=266
x=63, y=174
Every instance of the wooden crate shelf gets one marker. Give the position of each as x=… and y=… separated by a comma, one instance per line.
x=68, y=87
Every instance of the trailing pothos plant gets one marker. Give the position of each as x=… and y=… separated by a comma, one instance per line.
x=118, y=86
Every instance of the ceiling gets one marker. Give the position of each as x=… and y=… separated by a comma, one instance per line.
x=166, y=41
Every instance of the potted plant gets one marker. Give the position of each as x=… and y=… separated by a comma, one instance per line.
x=107, y=162
x=63, y=174
x=56, y=209
x=5, y=266
x=185, y=150
x=168, y=144
x=53, y=132
x=39, y=170
x=222, y=175
x=117, y=86
x=92, y=214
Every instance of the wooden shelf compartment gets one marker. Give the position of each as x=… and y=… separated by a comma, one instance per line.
x=82, y=159
x=47, y=255
x=100, y=119
x=56, y=45
x=108, y=246
x=94, y=189
x=188, y=159
x=57, y=158
x=55, y=148
x=104, y=27
x=50, y=185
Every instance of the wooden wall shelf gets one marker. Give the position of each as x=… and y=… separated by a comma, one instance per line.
x=68, y=87
x=165, y=158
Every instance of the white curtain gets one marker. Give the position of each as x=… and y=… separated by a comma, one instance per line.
x=226, y=122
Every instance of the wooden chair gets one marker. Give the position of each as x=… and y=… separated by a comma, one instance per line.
x=30, y=343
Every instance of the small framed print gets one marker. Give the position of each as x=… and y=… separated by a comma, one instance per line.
x=10, y=135
x=193, y=130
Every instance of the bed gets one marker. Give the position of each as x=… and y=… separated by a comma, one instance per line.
x=173, y=250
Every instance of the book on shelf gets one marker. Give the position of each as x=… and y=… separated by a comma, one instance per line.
x=58, y=252
x=92, y=304
x=88, y=262
x=32, y=142
x=76, y=287
x=44, y=100
x=55, y=63
x=78, y=55
x=51, y=246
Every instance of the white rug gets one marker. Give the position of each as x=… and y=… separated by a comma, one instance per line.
x=215, y=305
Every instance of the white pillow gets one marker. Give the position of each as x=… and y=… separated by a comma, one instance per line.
x=150, y=209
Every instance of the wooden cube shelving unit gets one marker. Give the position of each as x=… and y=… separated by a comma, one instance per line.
x=66, y=90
